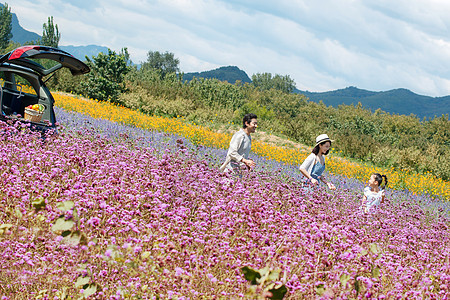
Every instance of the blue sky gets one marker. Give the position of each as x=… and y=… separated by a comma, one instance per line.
x=323, y=45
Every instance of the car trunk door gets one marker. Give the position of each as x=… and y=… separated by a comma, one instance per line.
x=26, y=55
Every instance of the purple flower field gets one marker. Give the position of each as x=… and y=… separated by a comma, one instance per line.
x=105, y=211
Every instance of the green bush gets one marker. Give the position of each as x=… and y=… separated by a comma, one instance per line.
x=64, y=81
x=105, y=82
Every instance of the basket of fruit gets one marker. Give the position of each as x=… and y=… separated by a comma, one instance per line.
x=34, y=112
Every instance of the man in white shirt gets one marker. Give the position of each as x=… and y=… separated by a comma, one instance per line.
x=240, y=146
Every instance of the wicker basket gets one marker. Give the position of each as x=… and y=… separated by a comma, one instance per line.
x=32, y=115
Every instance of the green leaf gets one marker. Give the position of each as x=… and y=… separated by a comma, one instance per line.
x=263, y=271
x=251, y=291
x=250, y=275
x=38, y=203
x=320, y=289
x=357, y=286
x=62, y=225
x=40, y=218
x=75, y=238
x=376, y=272
x=145, y=254
x=5, y=227
x=81, y=281
x=274, y=274
x=278, y=293
x=43, y=292
x=90, y=290
x=344, y=279
x=65, y=206
x=375, y=248
x=81, y=267
x=75, y=214
x=19, y=214
x=62, y=294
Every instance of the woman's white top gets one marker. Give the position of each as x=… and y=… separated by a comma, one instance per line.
x=309, y=163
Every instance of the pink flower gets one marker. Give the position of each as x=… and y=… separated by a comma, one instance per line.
x=211, y=277
x=179, y=271
x=94, y=221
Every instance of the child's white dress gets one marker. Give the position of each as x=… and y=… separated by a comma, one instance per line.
x=372, y=199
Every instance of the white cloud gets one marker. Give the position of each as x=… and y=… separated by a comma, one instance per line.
x=322, y=45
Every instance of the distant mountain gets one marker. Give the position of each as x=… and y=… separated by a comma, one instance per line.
x=230, y=74
x=20, y=35
x=397, y=101
x=81, y=52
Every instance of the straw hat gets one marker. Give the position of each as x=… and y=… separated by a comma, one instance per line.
x=323, y=138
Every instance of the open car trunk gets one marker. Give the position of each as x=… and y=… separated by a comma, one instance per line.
x=21, y=83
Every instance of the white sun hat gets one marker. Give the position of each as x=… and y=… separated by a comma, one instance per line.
x=323, y=138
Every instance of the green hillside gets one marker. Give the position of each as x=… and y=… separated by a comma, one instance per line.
x=81, y=52
x=397, y=101
x=230, y=74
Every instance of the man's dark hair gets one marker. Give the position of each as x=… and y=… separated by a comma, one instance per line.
x=248, y=118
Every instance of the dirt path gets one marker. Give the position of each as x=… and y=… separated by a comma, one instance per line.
x=276, y=140
x=262, y=136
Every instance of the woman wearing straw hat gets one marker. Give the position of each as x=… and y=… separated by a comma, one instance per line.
x=314, y=165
